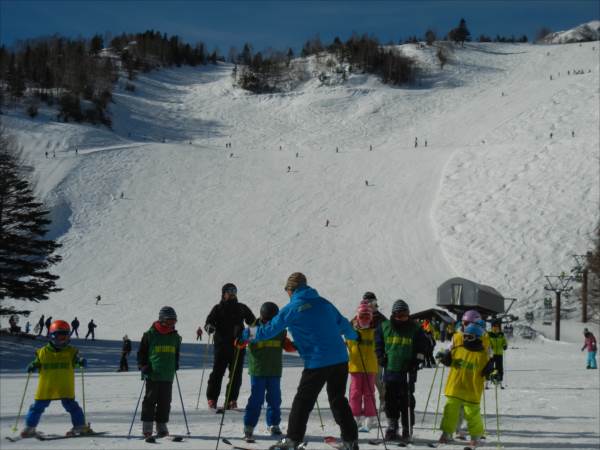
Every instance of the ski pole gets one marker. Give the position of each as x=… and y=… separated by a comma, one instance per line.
x=379, y=428
x=182, y=407
x=484, y=415
x=203, y=369
x=231, y=381
x=83, y=395
x=437, y=408
x=430, y=390
x=136, y=408
x=320, y=418
x=497, y=417
x=22, y=400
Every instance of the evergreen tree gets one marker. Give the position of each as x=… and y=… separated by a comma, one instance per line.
x=461, y=33
x=96, y=44
x=24, y=255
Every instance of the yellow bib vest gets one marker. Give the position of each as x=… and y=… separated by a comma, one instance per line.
x=57, y=373
x=367, y=351
x=464, y=380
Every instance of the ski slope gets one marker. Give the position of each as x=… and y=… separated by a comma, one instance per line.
x=491, y=198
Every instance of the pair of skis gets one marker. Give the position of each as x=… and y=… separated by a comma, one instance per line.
x=55, y=437
x=152, y=439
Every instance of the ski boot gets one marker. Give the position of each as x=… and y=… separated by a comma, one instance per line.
x=232, y=405
x=248, y=433
x=350, y=445
x=147, y=429
x=275, y=430
x=285, y=444
x=475, y=442
x=80, y=430
x=28, y=432
x=212, y=405
x=161, y=430
x=445, y=438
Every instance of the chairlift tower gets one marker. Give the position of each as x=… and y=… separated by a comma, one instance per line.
x=558, y=284
x=580, y=272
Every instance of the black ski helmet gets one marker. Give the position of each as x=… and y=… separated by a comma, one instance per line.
x=166, y=313
x=400, y=306
x=229, y=287
x=268, y=310
x=369, y=296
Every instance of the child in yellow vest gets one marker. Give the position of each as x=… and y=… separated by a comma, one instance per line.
x=362, y=366
x=56, y=363
x=469, y=365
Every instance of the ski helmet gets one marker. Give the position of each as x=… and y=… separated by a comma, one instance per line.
x=369, y=296
x=400, y=306
x=471, y=316
x=472, y=331
x=60, y=333
x=364, y=316
x=166, y=313
x=229, y=287
x=268, y=310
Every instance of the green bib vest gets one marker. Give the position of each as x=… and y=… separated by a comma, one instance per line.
x=265, y=357
x=162, y=354
x=398, y=346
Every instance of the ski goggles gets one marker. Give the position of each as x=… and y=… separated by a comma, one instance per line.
x=231, y=290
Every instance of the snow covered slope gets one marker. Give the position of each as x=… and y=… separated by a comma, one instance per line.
x=492, y=197
x=583, y=33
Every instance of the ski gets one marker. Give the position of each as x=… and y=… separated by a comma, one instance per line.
x=222, y=410
x=56, y=437
x=236, y=446
x=394, y=443
x=152, y=439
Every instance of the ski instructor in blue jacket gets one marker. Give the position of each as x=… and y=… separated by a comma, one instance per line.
x=317, y=327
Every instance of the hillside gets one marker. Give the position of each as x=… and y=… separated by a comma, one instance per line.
x=492, y=197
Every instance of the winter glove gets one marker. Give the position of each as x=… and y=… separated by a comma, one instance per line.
x=209, y=328
x=419, y=362
x=81, y=362
x=505, y=347
x=358, y=338
x=240, y=344
x=494, y=377
x=440, y=355
x=382, y=361
x=199, y=334
x=32, y=367
x=146, y=370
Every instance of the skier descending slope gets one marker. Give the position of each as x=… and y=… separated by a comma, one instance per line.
x=317, y=327
x=56, y=363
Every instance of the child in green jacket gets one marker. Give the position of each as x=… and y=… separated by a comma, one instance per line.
x=158, y=359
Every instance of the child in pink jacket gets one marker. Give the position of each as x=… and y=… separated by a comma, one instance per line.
x=362, y=365
x=590, y=344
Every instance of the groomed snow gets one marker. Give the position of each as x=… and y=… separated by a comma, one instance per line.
x=492, y=198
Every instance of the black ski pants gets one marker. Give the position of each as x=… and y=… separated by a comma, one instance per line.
x=499, y=366
x=156, y=405
x=311, y=383
x=225, y=359
x=123, y=364
x=399, y=398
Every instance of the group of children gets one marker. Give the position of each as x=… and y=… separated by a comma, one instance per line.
x=385, y=358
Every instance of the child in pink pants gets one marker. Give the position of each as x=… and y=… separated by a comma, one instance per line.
x=362, y=366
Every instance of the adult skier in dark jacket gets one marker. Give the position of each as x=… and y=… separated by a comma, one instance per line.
x=226, y=321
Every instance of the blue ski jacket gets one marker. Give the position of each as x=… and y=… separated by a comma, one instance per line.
x=316, y=326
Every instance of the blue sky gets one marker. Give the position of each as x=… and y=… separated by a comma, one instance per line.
x=282, y=24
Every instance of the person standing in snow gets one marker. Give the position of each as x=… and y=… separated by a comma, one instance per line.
x=265, y=366
x=75, y=327
x=125, y=351
x=400, y=344
x=40, y=325
x=469, y=365
x=158, y=360
x=91, y=327
x=317, y=327
x=48, y=323
x=499, y=345
x=56, y=363
x=226, y=321
x=590, y=344
x=370, y=299
x=362, y=366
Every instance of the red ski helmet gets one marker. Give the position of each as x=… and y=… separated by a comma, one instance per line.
x=60, y=333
